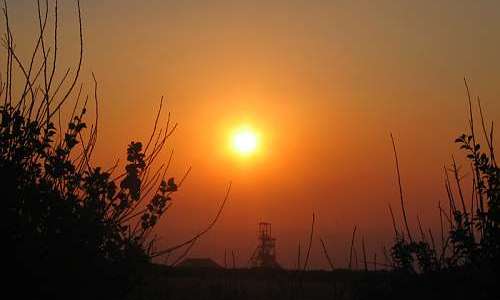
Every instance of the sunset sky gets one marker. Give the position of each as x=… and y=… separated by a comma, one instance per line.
x=321, y=83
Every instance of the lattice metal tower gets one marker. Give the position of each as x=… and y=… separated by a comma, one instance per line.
x=264, y=255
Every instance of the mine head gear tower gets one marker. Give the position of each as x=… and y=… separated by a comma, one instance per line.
x=264, y=255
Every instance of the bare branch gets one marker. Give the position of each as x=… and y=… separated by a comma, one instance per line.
x=325, y=252
x=401, y=190
x=352, y=246
x=311, y=233
x=201, y=233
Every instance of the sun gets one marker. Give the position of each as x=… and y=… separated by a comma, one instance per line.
x=245, y=141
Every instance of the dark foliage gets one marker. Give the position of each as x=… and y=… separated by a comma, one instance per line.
x=472, y=242
x=64, y=223
x=71, y=229
x=474, y=234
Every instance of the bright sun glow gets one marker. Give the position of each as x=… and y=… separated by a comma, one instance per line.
x=245, y=141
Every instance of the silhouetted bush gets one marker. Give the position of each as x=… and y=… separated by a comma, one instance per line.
x=471, y=243
x=71, y=229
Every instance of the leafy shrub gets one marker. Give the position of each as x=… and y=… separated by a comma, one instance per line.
x=473, y=239
x=71, y=229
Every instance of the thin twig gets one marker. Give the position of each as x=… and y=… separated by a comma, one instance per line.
x=201, y=233
x=364, y=253
x=352, y=246
x=325, y=252
x=311, y=233
x=401, y=190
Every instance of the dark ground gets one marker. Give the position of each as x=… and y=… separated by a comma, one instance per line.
x=172, y=283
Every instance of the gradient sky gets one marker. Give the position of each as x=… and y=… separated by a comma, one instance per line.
x=324, y=82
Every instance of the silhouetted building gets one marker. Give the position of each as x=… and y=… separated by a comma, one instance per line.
x=264, y=255
x=199, y=263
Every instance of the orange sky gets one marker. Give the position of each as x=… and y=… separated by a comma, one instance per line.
x=324, y=82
